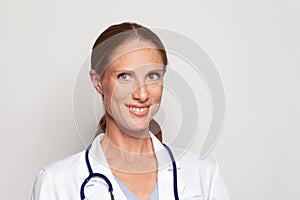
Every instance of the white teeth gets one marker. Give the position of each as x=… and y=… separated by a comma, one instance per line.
x=135, y=109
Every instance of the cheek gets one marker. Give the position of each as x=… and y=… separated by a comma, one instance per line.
x=156, y=92
x=121, y=92
x=108, y=93
x=119, y=95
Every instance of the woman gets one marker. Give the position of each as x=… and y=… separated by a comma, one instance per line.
x=126, y=160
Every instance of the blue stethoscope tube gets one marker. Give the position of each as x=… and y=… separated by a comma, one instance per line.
x=110, y=187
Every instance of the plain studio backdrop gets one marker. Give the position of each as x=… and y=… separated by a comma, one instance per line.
x=255, y=48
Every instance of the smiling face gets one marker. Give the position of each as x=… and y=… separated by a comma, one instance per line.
x=132, y=87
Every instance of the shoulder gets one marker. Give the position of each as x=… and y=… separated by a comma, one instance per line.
x=64, y=165
x=204, y=173
x=193, y=168
x=53, y=178
x=193, y=160
x=64, y=170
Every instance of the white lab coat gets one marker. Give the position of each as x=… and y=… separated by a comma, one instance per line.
x=197, y=178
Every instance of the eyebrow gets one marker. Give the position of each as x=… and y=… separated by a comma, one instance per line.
x=132, y=71
x=156, y=70
x=123, y=71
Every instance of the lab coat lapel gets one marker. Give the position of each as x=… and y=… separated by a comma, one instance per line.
x=100, y=165
x=165, y=171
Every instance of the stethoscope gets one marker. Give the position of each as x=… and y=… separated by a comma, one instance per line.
x=110, y=187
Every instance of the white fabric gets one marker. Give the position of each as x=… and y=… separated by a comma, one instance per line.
x=197, y=179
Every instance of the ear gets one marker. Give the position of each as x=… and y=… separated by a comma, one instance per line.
x=96, y=79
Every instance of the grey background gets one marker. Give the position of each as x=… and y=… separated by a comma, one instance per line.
x=254, y=44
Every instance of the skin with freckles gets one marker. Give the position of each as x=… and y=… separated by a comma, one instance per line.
x=131, y=87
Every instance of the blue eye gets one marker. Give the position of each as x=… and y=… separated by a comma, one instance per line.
x=154, y=76
x=124, y=76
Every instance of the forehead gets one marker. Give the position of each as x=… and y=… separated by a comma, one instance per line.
x=135, y=54
x=138, y=58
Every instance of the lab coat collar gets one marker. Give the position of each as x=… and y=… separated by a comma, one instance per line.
x=165, y=171
x=99, y=165
x=165, y=176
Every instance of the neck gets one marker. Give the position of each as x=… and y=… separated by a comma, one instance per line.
x=128, y=153
x=125, y=140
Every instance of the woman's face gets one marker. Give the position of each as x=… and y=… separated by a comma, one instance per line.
x=132, y=86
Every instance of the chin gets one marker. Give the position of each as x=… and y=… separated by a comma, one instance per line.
x=136, y=129
x=139, y=126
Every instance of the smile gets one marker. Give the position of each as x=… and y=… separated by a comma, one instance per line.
x=139, y=111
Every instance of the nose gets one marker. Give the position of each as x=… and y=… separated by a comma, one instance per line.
x=141, y=93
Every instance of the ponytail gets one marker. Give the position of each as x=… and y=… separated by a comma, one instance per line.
x=154, y=127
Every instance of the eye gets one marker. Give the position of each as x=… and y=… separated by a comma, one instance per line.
x=124, y=76
x=154, y=76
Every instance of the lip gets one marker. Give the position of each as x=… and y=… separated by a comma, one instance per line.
x=139, y=110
